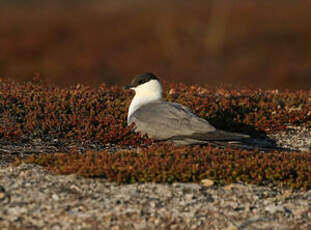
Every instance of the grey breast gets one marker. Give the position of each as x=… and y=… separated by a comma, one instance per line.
x=164, y=120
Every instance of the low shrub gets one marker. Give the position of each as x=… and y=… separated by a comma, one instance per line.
x=37, y=109
x=167, y=164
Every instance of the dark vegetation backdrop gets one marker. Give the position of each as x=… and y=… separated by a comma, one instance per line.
x=265, y=43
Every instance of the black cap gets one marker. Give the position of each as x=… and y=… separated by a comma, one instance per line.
x=141, y=79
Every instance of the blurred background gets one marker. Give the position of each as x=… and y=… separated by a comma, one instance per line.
x=263, y=43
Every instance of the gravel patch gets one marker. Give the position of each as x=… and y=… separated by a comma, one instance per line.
x=31, y=198
x=295, y=137
x=10, y=150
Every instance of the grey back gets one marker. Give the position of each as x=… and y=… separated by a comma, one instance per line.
x=164, y=120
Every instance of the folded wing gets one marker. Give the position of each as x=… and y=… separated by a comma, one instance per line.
x=169, y=121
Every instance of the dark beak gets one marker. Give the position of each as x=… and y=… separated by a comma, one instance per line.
x=127, y=87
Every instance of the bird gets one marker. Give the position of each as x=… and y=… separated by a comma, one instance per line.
x=167, y=121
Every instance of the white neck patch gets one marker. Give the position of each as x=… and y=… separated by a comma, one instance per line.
x=144, y=94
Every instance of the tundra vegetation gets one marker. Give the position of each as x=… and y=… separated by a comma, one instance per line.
x=39, y=110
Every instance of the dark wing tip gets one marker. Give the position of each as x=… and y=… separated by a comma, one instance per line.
x=220, y=135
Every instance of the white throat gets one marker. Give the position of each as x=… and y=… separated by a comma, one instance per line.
x=144, y=94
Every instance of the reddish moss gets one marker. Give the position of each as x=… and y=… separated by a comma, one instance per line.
x=167, y=164
x=38, y=110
